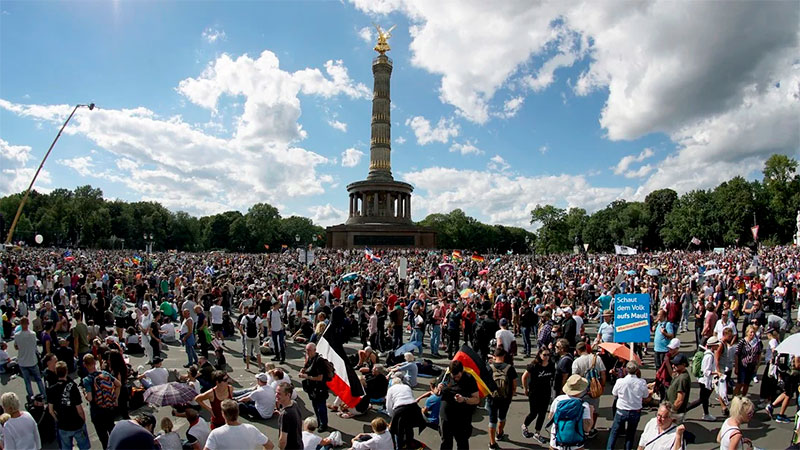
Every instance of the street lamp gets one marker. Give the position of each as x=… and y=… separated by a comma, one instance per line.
x=148, y=239
x=30, y=186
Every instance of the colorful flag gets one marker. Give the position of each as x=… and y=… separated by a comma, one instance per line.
x=456, y=255
x=67, y=253
x=137, y=259
x=475, y=367
x=266, y=246
x=371, y=256
x=477, y=258
x=284, y=246
x=345, y=383
x=755, y=232
x=695, y=241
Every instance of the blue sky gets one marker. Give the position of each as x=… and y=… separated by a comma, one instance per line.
x=207, y=107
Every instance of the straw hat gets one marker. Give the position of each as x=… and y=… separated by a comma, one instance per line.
x=575, y=385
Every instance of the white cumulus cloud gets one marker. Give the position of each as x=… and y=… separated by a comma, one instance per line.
x=425, y=133
x=326, y=215
x=466, y=148
x=626, y=161
x=351, y=157
x=341, y=126
x=81, y=164
x=212, y=35
x=17, y=169
x=366, y=34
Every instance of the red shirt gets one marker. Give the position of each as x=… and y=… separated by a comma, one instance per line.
x=391, y=301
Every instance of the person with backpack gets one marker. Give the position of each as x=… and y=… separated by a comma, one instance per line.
x=101, y=390
x=65, y=405
x=249, y=326
x=277, y=331
x=316, y=372
x=630, y=392
x=505, y=377
x=591, y=367
x=570, y=417
x=708, y=370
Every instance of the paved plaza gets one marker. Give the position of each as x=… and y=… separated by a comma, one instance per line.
x=764, y=433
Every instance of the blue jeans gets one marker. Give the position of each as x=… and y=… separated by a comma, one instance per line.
x=279, y=344
x=436, y=339
x=631, y=421
x=80, y=435
x=416, y=336
x=191, y=353
x=30, y=296
x=526, y=340
x=33, y=372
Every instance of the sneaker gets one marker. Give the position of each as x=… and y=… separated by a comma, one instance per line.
x=502, y=437
x=769, y=409
x=494, y=446
x=709, y=418
x=540, y=438
x=782, y=419
x=525, y=433
x=755, y=380
x=591, y=434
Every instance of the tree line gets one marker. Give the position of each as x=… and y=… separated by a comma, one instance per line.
x=717, y=217
x=722, y=216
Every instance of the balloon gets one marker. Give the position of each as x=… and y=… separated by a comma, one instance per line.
x=39, y=238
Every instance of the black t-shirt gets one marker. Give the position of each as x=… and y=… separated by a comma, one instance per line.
x=84, y=299
x=540, y=378
x=50, y=378
x=564, y=366
x=65, y=396
x=314, y=367
x=291, y=423
x=452, y=411
x=306, y=329
x=128, y=435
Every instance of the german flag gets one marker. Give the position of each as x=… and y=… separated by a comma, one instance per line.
x=475, y=367
x=477, y=258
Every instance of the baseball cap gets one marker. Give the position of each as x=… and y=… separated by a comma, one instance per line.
x=262, y=377
x=503, y=322
x=674, y=344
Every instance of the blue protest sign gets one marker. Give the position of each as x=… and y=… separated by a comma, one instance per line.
x=632, y=318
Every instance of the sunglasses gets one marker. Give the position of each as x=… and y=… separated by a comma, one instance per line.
x=545, y=354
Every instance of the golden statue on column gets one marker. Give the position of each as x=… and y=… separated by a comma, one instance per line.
x=383, y=39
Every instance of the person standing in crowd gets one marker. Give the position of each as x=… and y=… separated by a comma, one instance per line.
x=453, y=330
x=747, y=359
x=662, y=432
x=101, y=390
x=569, y=327
x=19, y=432
x=506, y=340
x=663, y=332
x=581, y=366
x=25, y=343
x=527, y=324
x=563, y=365
x=631, y=392
x=498, y=403
x=80, y=337
x=680, y=387
x=187, y=337
x=459, y=394
x=576, y=414
x=313, y=375
x=537, y=382
x=277, y=333
x=135, y=434
x=699, y=320
x=730, y=435
x=211, y=400
x=291, y=421
x=250, y=326
x=706, y=380
x=235, y=434
x=65, y=405
x=396, y=316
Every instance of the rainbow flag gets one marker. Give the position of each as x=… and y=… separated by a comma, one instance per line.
x=475, y=367
x=137, y=259
x=456, y=255
x=477, y=258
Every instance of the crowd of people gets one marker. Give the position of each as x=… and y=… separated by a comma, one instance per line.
x=74, y=320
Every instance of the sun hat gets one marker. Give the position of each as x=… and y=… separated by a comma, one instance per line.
x=575, y=385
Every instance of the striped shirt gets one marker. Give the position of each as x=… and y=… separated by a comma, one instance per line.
x=748, y=351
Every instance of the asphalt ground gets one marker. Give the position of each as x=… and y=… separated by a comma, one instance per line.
x=764, y=433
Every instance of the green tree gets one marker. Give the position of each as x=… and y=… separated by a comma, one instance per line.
x=658, y=203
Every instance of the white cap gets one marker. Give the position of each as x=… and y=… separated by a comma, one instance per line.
x=674, y=344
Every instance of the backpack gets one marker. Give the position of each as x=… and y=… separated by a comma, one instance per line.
x=500, y=377
x=328, y=370
x=568, y=420
x=593, y=376
x=103, y=392
x=250, y=327
x=697, y=364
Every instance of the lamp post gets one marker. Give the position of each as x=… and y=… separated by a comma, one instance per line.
x=35, y=175
x=148, y=240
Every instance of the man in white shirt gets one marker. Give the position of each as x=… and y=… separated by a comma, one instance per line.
x=630, y=392
x=503, y=336
x=235, y=434
x=397, y=395
x=198, y=431
x=249, y=326
x=155, y=376
x=216, y=317
x=380, y=439
x=275, y=328
x=261, y=402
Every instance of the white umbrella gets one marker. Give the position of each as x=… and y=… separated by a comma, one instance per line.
x=712, y=272
x=790, y=345
x=711, y=262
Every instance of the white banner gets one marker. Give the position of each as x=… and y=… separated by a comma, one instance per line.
x=623, y=250
x=402, y=268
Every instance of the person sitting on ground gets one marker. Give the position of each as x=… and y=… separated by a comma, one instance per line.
x=408, y=370
x=433, y=401
x=304, y=330
x=366, y=359
x=379, y=439
x=156, y=376
x=198, y=430
x=219, y=360
x=310, y=438
x=133, y=341
x=168, y=439
x=260, y=403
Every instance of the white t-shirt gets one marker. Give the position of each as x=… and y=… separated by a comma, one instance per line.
x=381, y=441
x=286, y=379
x=200, y=431
x=243, y=322
x=310, y=440
x=216, y=314
x=587, y=415
x=274, y=317
x=21, y=433
x=504, y=336
x=650, y=432
x=264, y=398
x=158, y=375
x=243, y=436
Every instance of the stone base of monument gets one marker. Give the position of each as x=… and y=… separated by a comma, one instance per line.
x=378, y=235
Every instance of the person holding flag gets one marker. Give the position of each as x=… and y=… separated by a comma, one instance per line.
x=459, y=395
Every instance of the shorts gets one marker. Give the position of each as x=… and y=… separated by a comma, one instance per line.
x=216, y=327
x=589, y=400
x=120, y=322
x=251, y=346
x=498, y=410
x=746, y=374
